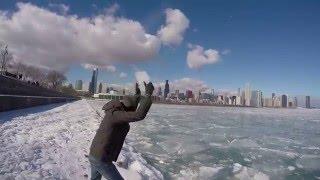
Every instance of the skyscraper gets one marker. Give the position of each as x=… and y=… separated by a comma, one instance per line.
x=93, y=83
x=272, y=98
x=78, y=85
x=295, y=101
x=212, y=92
x=247, y=95
x=284, y=101
x=100, y=88
x=159, y=93
x=308, y=105
x=256, y=98
x=189, y=94
x=166, y=89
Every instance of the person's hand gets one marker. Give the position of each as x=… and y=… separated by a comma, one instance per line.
x=138, y=92
x=149, y=88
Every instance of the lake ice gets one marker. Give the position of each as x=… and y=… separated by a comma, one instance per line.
x=192, y=142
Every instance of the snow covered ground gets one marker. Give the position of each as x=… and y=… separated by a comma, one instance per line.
x=52, y=141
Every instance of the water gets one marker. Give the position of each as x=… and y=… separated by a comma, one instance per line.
x=192, y=142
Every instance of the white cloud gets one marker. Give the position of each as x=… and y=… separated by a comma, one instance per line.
x=123, y=75
x=197, y=56
x=176, y=24
x=109, y=68
x=184, y=84
x=61, y=8
x=142, y=76
x=112, y=9
x=189, y=84
x=41, y=37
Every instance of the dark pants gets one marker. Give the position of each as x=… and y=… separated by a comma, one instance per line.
x=106, y=169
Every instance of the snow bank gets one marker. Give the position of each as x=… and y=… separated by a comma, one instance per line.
x=51, y=142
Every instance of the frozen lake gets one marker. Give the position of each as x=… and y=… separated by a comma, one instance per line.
x=191, y=142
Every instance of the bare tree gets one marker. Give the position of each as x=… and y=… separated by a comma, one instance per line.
x=55, y=79
x=6, y=57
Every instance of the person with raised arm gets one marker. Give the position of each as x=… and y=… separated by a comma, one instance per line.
x=108, y=141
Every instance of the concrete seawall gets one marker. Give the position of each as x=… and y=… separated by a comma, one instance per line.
x=17, y=94
x=11, y=102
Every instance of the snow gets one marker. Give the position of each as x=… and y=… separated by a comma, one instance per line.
x=53, y=141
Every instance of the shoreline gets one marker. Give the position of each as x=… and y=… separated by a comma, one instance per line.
x=217, y=105
x=200, y=104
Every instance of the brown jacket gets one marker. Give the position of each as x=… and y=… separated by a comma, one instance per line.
x=114, y=127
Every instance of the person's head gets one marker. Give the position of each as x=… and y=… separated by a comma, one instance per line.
x=130, y=102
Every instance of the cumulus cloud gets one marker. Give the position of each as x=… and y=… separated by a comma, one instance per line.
x=189, y=84
x=41, y=37
x=109, y=68
x=142, y=76
x=123, y=75
x=184, y=84
x=61, y=8
x=176, y=24
x=112, y=9
x=197, y=56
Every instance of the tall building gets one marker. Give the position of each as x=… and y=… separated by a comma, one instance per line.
x=78, y=85
x=308, y=105
x=189, y=94
x=93, y=83
x=256, y=98
x=284, y=101
x=100, y=88
x=159, y=93
x=239, y=92
x=176, y=93
x=273, y=97
x=212, y=92
x=247, y=95
x=166, y=89
x=295, y=101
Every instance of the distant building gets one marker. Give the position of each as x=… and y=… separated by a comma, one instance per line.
x=277, y=102
x=181, y=96
x=308, y=105
x=93, y=83
x=284, y=101
x=78, y=85
x=296, y=101
x=247, y=95
x=112, y=95
x=176, y=93
x=272, y=97
x=166, y=89
x=189, y=94
x=256, y=98
x=159, y=93
x=100, y=88
x=268, y=102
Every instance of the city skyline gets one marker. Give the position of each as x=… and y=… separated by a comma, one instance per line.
x=270, y=45
x=247, y=97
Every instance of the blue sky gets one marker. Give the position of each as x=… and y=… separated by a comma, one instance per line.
x=273, y=45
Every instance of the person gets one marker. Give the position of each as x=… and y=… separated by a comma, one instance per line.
x=108, y=141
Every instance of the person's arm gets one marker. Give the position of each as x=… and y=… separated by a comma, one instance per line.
x=132, y=116
x=141, y=111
